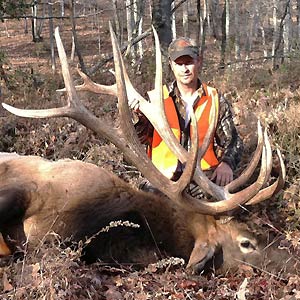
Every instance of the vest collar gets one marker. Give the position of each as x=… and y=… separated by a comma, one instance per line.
x=175, y=94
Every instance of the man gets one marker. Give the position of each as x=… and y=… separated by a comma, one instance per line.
x=187, y=92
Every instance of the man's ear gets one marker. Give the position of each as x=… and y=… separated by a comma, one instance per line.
x=170, y=64
x=200, y=59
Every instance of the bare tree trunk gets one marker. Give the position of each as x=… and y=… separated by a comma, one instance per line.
x=249, y=37
x=275, y=27
x=174, y=33
x=256, y=20
x=34, y=30
x=99, y=33
x=185, y=18
x=139, y=8
x=287, y=30
x=72, y=56
x=117, y=21
x=298, y=19
x=51, y=34
x=227, y=19
x=140, y=44
x=62, y=8
x=25, y=26
x=77, y=50
x=215, y=24
x=203, y=40
x=280, y=35
x=237, y=29
x=41, y=23
x=130, y=29
x=6, y=29
x=224, y=38
x=198, y=22
x=206, y=15
x=130, y=19
x=259, y=26
x=263, y=40
x=161, y=19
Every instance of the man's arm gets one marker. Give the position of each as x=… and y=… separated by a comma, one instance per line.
x=144, y=129
x=227, y=136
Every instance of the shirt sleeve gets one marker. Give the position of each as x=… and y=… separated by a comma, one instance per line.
x=227, y=137
x=144, y=129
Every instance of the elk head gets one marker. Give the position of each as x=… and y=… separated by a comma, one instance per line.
x=190, y=228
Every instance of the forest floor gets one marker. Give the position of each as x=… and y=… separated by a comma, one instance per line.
x=57, y=273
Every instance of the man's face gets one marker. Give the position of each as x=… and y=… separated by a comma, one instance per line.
x=185, y=69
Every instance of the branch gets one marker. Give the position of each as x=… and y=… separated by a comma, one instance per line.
x=255, y=59
x=281, y=28
x=109, y=57
x=177, y=6
x=48, y=18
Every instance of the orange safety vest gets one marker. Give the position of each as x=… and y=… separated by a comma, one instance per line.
x=160, y=154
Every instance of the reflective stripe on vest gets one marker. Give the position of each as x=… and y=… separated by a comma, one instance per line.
x=161, y=156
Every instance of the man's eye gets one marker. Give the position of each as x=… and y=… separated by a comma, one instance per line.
x=186, y=63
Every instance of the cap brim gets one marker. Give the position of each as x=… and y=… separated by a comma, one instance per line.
x=174, y=55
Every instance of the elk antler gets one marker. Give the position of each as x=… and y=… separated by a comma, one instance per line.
x=125, y=138
x=154, y=111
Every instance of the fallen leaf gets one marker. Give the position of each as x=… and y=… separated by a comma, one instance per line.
x=112, y=293
x=7, y=287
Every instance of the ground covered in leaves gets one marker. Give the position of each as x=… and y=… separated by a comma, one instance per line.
x=53, y=272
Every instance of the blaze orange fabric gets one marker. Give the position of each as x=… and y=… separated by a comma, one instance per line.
x=160, y=154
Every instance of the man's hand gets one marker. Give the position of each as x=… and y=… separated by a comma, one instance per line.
x=223, y=174
x=134, y=104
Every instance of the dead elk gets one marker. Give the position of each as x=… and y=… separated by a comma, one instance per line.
x=77, y=199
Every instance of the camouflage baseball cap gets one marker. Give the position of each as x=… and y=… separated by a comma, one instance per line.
x=183, y=46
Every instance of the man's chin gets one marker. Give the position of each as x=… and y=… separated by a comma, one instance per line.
x=186, y=81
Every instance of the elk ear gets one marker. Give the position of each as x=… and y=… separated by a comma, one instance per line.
x=201, y=254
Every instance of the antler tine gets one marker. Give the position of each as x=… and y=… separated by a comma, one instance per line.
x=272, y=189
x=74, y=108
x=242, y=179
x=70, y=89
x=94, y=87
x=282, y=174
x=157, y=98
x=177, y=190
x=126, y=125
x=199, y=177
x=157, y=115
x=233, y=201
x=91, y=86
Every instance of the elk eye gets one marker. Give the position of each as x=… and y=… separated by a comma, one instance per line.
x=246, y=244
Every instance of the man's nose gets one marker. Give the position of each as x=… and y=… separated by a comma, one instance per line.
x=184, y=66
